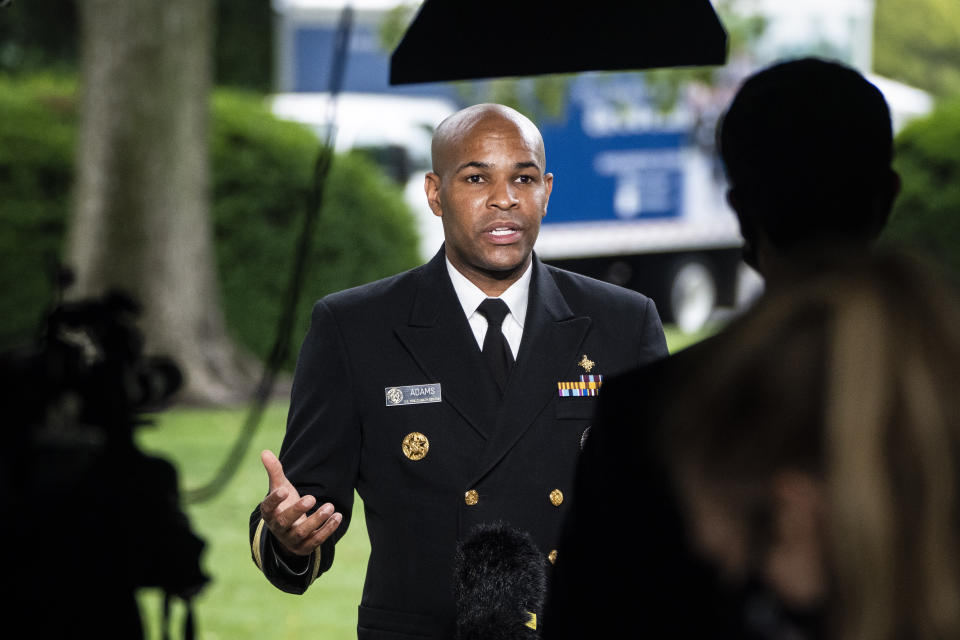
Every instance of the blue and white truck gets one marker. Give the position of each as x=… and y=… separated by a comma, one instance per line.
x=639, y=195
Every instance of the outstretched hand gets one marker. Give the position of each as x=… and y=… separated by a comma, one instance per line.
x=285, y=512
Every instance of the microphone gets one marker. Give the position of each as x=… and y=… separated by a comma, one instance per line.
x=500, y=582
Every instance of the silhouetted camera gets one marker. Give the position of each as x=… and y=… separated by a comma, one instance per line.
x=88, y=368
x=72, y=474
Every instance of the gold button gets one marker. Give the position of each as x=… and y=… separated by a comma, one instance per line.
x=415, y=446
x=552, y=556
x=556, y=497
x=471, y=497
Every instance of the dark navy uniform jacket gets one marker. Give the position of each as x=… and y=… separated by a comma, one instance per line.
x=487, y=458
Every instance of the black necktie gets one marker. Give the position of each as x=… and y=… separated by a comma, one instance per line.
x=496, y=351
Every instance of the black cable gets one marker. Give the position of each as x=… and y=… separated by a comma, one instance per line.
x=281, y=346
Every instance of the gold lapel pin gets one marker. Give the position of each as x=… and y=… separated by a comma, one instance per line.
x=586, y=363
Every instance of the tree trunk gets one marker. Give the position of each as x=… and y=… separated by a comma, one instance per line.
x=141, y=221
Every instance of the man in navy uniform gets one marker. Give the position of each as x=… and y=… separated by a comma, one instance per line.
x=449, y=396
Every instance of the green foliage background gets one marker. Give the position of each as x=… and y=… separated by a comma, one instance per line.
x=40, y=35
x=261, y=175
x=926, y=216
x=37, y=134
x=918, y=42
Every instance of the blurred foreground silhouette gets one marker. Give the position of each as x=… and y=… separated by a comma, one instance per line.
x=90, y=517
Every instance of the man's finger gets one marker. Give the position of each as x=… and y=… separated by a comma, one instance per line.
x=315, y=520
x=319, y=536
x=305, y=526
x=292, y=514
x=331, y=525
x=274, y=469
x=273, y=500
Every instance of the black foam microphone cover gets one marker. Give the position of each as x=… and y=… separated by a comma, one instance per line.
x=500, y=582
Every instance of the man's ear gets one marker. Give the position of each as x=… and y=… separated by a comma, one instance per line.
x=739, y=205
x=883, y=201
x=548, y=183
x=431, y=185
x=733, y=199
x=748, y=228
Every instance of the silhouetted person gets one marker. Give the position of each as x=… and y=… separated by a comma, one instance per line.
x=819, y=466
x=807, y=147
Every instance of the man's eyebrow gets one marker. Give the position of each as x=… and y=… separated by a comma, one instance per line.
x=473, y=163
x=529, y=164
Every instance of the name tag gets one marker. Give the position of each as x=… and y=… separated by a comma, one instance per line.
x=412, y=394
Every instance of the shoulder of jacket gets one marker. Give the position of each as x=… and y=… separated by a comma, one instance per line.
x=373, y=294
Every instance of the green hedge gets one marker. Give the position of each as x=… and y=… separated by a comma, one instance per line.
x=926, y=216
x=262, y=175
x=261, y=172
x=37, y=136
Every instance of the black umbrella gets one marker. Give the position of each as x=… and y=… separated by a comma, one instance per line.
x=457, y=40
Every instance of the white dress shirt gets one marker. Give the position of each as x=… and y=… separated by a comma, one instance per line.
x=515, y=297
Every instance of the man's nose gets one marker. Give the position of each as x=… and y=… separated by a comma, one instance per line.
x=503, y=195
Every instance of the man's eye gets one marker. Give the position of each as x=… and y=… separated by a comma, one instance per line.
x=475, y=178
x=525, y=179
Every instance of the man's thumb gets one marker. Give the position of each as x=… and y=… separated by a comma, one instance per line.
x=274, y=469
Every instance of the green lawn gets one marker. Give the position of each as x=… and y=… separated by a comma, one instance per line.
x=677, y=339
x=239, y=603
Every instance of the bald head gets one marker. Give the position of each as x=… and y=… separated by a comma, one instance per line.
x=481, y=120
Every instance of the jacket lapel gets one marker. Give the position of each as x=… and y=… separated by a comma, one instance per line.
x=440, y=341
x=552, y=335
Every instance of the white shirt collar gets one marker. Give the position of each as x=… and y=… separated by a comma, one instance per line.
x=470, y=295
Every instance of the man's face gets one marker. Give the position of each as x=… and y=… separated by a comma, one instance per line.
x=491, y=192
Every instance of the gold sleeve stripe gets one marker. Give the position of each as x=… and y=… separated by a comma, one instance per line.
x=256, y=545
x=532, y=622
x=259, y=559
x=316, y=565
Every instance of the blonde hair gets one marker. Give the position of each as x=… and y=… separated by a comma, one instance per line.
x=854, y=377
